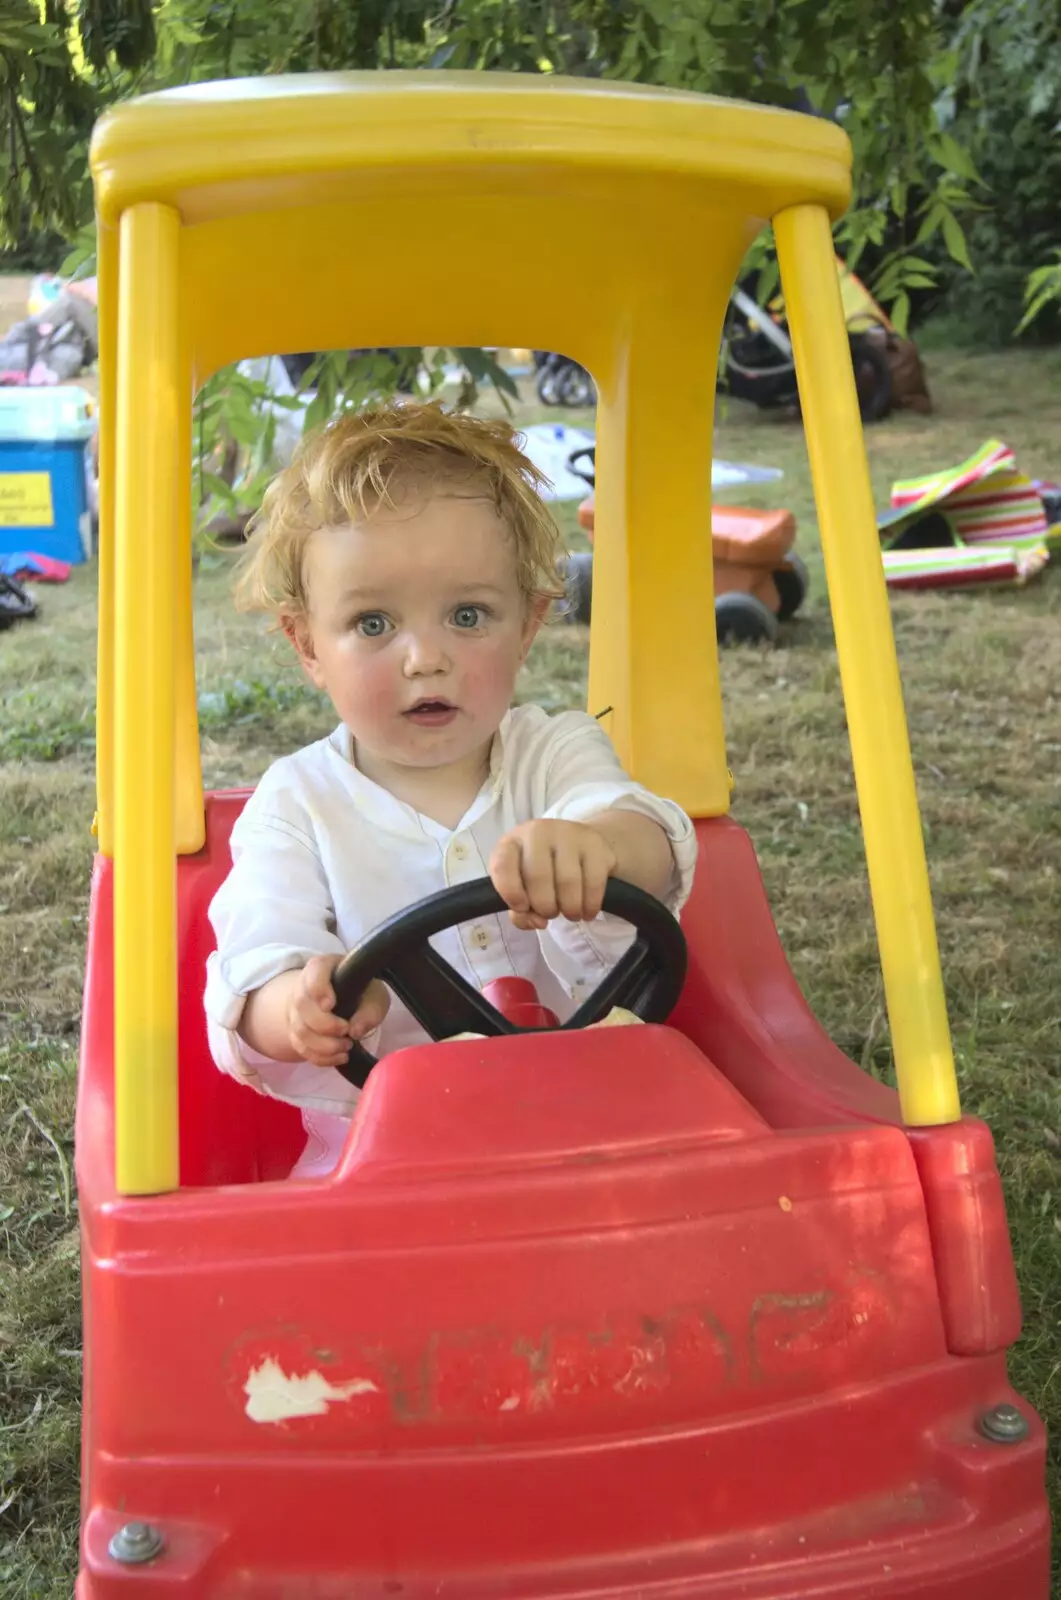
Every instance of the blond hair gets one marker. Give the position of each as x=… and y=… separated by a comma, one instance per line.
x=354, y=465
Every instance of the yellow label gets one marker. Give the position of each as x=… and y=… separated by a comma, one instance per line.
x=26, y=500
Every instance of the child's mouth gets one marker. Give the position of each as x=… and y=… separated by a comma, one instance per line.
x=431, y=713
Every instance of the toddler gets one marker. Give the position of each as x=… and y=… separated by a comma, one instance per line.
x=410, y=560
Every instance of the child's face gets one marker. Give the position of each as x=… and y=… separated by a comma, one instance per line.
x=416, y=628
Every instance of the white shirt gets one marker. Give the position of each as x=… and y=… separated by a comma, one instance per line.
x=321, y=856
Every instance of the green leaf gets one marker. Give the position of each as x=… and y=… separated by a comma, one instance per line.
x=930, y=222
x=182, y=33
x=1043, y=288
x=483, y=368
x=955, y=158
x=317, y=412
x=900, y=314
x=215, y=484
x=1044, y=94
x=954, y=239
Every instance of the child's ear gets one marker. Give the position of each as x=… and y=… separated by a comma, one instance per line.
x=296, y=627
x=537, y=607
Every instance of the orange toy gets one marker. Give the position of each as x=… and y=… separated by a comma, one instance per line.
x=759, y=579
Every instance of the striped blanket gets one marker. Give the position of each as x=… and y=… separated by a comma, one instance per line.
x=980, y=522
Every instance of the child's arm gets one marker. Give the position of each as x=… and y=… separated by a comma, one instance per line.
x=591, y=822
x=268, y=991
x=642, y=849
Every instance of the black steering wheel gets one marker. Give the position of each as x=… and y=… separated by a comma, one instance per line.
x=646, y=980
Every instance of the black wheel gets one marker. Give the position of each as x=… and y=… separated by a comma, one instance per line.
x=549, y=385
x=647, y=980
x=873, y=377
x=742, y=619
x=792, y=584
x=579, y=587
x=576, y=387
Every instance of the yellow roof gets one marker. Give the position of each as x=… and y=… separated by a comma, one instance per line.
x=221, y=148
x=597, y=219
x=603, y=220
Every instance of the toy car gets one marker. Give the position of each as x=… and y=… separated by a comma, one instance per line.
x=759, y=579
x=691, y=1309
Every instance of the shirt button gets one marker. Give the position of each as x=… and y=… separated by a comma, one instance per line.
x=459, y=851
x=480, y=938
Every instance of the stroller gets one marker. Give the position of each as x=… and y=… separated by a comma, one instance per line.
x=757, y=362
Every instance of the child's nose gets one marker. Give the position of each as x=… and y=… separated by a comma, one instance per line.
x=425, y=655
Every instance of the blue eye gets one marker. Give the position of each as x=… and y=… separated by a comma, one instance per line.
x=372, y=625
x=469, y=616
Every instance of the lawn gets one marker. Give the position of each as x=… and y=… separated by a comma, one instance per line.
x=983, y=682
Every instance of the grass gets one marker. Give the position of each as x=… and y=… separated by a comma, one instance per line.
x=983, y=682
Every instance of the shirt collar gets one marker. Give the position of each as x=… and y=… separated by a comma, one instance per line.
x=384, y=810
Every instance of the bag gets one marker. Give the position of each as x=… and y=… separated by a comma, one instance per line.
x=909, y=388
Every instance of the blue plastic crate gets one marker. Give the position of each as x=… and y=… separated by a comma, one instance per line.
x=43, y=492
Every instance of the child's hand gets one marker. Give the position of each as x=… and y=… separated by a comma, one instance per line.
x=316, y=1034
x=545, y=869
